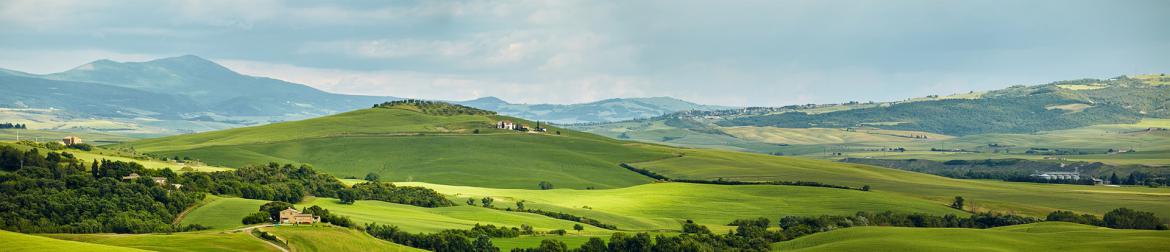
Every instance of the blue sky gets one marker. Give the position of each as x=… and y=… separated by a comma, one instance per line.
x=715, y=52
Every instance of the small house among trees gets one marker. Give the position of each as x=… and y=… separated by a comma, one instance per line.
x=71, y=140
x=292, y=216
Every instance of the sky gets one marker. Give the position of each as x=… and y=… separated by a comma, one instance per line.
x=737, y=53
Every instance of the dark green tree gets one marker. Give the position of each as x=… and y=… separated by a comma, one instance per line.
x=958, y=203
x=578, y=227
x=372, y=177
x=487, y=201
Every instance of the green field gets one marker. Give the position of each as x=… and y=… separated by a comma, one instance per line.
x=192, y=241
x=1046, y=236
x=983, y=195
x=12, y=241
x=664, y=206
x=428, y=220
x=403, y=145
x=328, y=238
x=222, y=213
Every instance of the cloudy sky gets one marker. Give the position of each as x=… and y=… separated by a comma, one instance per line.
x=714, y=52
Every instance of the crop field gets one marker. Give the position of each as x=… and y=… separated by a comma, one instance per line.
x=13, y=241
x=328, y=238
x=983, y=195
x=806, y=136
x=1152, y=147
x=191, y=241
x=1045, y=236
x=664, y=206
x=222, y=213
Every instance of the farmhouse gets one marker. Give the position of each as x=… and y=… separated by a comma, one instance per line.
x=1058, y=175
x=508, y=125
x=292, y=216
x=71, y=140
x=157, y=180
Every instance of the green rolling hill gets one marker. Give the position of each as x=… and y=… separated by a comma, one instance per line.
x=412, y=143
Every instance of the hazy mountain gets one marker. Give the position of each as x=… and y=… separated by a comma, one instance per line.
x=216, y=89
x=608, y=110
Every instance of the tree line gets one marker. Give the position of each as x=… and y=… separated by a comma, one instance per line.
x=57, y=192
x=13, y=126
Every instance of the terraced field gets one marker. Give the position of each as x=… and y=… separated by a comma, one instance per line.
x=1045, y=236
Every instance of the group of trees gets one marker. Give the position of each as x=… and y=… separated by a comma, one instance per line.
x=447, y=241
x=1121, y=218
x=434, y=107
x=410, y=195
x=270, y=212
x=13, y=126
x=58, y=193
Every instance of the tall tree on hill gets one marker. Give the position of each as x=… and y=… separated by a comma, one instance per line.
x=1113, y=180
x=372, y=177
x=1131, y=180
x=958, y=203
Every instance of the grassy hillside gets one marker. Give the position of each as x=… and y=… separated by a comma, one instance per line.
x=194, y=241
x=663, y=206
x=222, y=213
x=24, y=242
x=1025, y=198
x=404, y=144
x=327, y=238
x=1046, y=236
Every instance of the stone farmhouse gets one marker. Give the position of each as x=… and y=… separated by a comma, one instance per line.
x=71, y=140
x=292, y=216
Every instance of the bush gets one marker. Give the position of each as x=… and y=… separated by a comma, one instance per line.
x=256, y=218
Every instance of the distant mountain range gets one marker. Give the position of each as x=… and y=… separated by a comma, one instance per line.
x=617, y=109
x=189, y=94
